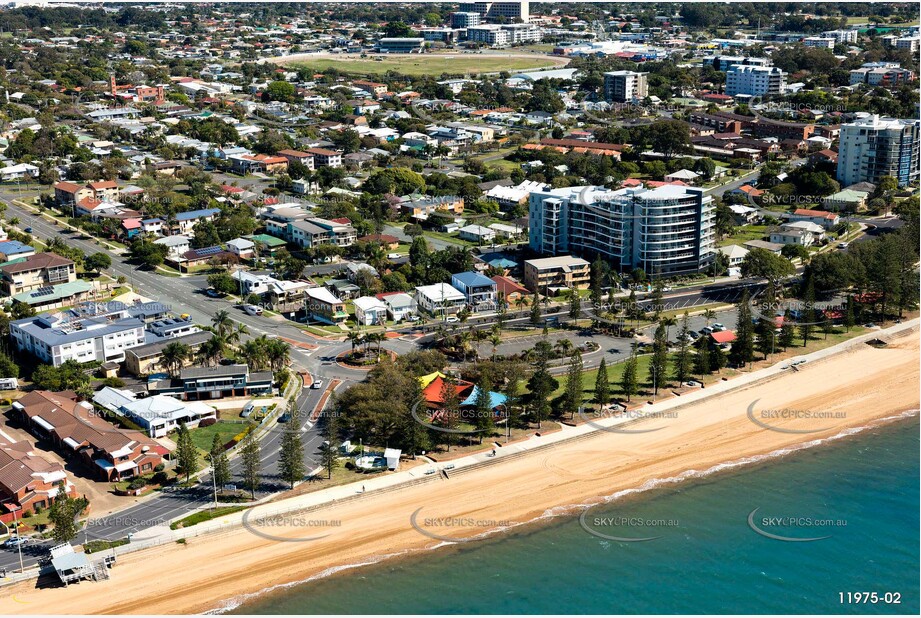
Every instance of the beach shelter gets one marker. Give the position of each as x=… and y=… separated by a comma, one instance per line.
x=495, y=399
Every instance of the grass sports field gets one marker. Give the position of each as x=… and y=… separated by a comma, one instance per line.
x=427, y=64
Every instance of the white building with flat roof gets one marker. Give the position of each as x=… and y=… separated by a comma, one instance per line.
x=755, y=81
x=440, y=299
x=873, y=147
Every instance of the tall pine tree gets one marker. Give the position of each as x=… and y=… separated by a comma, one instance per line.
x=291, y=456
x=602, y=387
x=252, y=464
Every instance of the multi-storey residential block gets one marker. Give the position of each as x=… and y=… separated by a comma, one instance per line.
x=625, y=86
x=755, y=81
x=873, y=147
x=724, y=63
x=667, y=230
x=89, y=332
x=562, y=271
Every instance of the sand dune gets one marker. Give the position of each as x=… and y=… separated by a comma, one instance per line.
x=863, y=383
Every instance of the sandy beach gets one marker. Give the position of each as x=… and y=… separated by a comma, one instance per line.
x=863, y=384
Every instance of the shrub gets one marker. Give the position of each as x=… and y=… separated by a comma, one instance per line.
x=113, y=382
x=137, y=483
x=159, y=478
x=160, y=467
x=207, y=422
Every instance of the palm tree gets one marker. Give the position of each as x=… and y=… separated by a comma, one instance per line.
x=668, y=322
x=278, y=353
x=235, y=336
x=709, y=314
x=479, y=336
x=521, y=302
x=354, y=339
x=174, y=356
x=564, y=347
x=222, y=322
x=495, y=339
x=211, y=351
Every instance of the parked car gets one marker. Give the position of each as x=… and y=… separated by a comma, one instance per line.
x=15, y=541
x=842, y=245
x=393, y=256
x=252, y=309
x=706, y=330
x=694, y=335
x=451, y=319
x=718, y=326
x=212, y=293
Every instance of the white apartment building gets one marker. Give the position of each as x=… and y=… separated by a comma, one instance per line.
x=503, y=35
x=873, y=147
x=512, y=11
x=819, y=41
x=755, y=81
x=724, y=63
x=664, y=231
x=76, y=334
x=841, y=36
x=625, y=86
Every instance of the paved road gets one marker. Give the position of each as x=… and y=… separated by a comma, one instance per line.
x=186, y=294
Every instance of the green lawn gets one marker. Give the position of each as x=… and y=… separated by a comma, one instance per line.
x=744, y=234
x=202, y=437
x=429, y=64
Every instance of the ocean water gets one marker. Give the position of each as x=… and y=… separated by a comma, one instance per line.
x=860, y=492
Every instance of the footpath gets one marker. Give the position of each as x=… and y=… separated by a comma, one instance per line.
x=440, y=471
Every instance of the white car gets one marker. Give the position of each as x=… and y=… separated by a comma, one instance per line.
x=451, y=319
x=842, y=245
x=252, y=309
x=393, y=256
x=316, y=384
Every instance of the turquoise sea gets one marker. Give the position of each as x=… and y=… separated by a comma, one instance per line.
x=861, y=492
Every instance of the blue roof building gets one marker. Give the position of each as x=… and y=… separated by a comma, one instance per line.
x=12, y=249
x=479, y=290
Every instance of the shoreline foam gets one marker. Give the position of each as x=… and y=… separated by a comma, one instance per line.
x=557, y=512
x=870, y=384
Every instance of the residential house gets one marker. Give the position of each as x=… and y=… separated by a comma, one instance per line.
x=29, y=482
x=186, y=221
x=38, y=271
x=157, y=415
x=440, y=299
x=242, y=248
x=479, y=290
x=176, y=245
x=846, y=200
x=324, y=306
x=399, y=305
x=144, y=359
x=509, y=290
x=804, y=233
x=477, y=233
x=827, y=220
x=15, y=250
x=204, y=383
x=370, y=311
x=77, y=432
